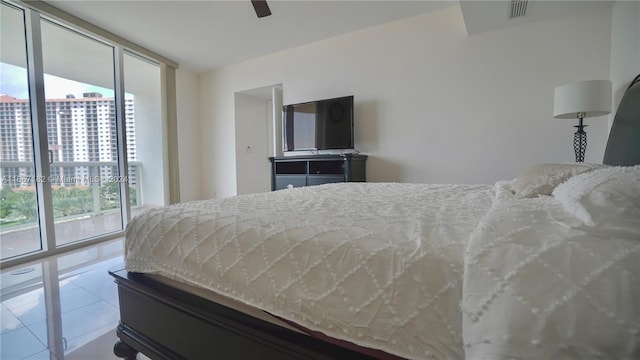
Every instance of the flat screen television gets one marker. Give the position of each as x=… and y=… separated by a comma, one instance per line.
x=318, y=125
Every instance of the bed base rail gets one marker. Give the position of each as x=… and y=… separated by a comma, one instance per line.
x=166, y=323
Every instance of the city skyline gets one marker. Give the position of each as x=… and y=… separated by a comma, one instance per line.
x=80, y=129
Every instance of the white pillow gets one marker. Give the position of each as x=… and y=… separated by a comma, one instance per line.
x=541, y=179
x=608, y=197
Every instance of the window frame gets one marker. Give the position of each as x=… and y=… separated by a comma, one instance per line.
x=34, y=13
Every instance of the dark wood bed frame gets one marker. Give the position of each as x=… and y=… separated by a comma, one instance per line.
x=163, y=322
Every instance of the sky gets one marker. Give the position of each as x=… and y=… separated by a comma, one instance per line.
x=13, y=82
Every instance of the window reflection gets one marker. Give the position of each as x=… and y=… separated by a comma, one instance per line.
x=46, y=305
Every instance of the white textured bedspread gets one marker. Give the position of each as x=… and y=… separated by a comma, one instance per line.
x=380, y=265
x=539, y=284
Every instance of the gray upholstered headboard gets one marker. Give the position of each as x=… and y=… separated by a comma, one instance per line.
x=623, y=147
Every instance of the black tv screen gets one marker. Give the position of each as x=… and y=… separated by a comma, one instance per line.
x=319, y=125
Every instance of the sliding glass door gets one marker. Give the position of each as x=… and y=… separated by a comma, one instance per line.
x=82, y=134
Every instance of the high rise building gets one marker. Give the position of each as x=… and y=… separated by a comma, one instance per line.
x=80, y=130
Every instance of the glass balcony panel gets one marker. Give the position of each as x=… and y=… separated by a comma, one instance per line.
x=81, y=207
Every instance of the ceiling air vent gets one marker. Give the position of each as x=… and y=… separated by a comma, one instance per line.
x=517, y=8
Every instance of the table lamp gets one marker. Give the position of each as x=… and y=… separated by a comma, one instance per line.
x=582, y=100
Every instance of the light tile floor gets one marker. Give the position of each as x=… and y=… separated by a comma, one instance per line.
x=62, y=307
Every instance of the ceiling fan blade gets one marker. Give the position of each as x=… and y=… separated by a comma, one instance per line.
x=261, y=8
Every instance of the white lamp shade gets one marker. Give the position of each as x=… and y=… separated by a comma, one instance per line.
x=591, y=98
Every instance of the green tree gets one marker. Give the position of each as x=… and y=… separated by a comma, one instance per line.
x=72, y=201
x=109, y=196
x=6, y=201
x=24, y=205
x=132, y=196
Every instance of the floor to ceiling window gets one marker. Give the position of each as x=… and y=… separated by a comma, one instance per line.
x=18, y=208
x=70, y=168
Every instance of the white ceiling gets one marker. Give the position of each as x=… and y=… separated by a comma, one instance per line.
x=206, y=34
x=203, y=35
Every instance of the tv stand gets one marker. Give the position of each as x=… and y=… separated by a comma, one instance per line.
x=308, y=170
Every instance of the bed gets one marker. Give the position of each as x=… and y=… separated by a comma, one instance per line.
x=543, y=266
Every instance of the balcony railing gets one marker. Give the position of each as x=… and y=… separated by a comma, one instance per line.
x=80, y=190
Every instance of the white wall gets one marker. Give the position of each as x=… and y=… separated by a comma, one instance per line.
x=432, y=105
x=189, y=148
x=625, y=47
x=217, y=138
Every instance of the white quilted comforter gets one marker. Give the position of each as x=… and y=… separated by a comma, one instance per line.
x=538, y=284
x=377, y=264
x=391, y=266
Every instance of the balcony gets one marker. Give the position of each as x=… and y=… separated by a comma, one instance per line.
x=86, y=202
